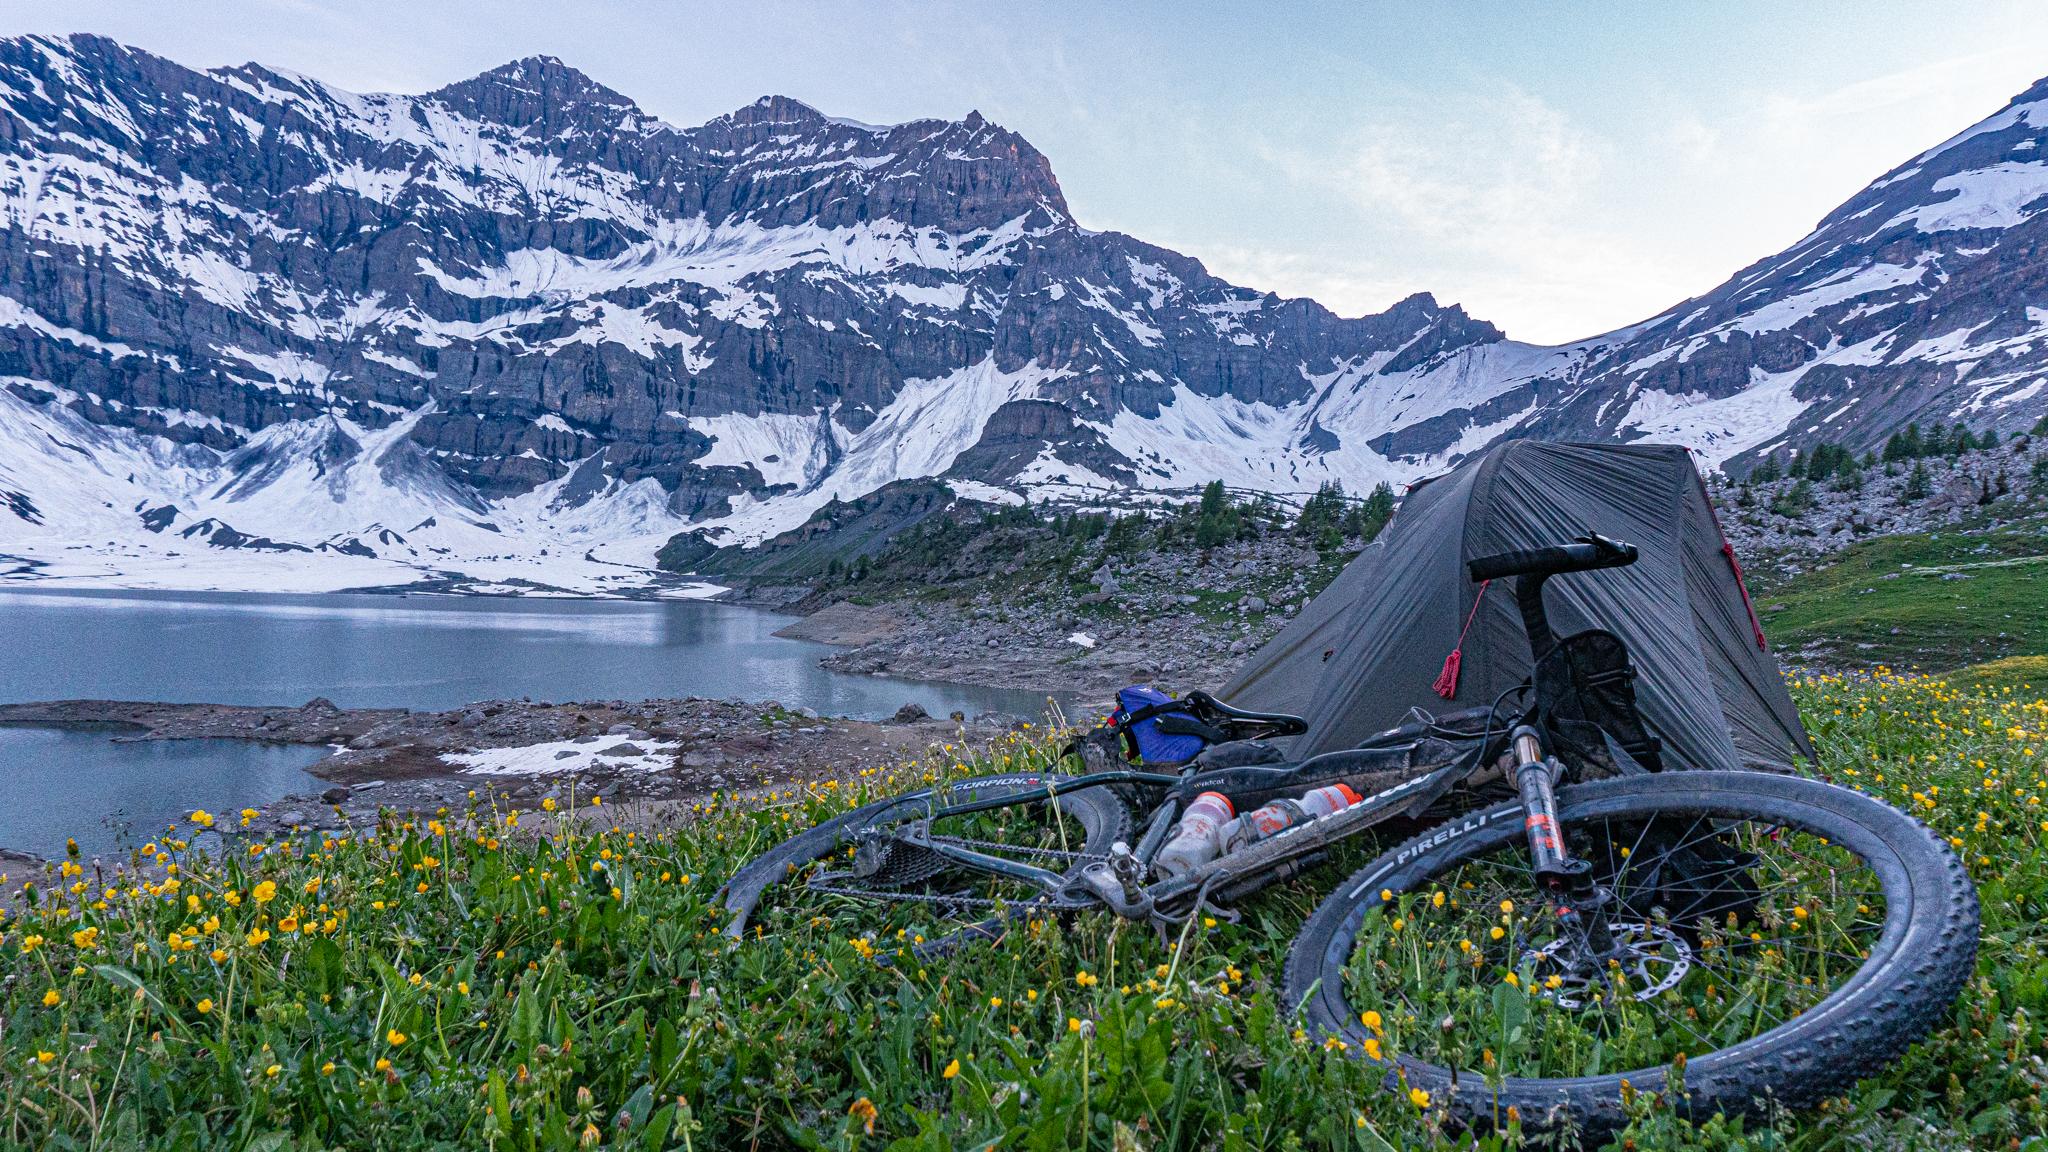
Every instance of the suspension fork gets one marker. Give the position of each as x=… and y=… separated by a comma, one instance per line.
x=1564, y=880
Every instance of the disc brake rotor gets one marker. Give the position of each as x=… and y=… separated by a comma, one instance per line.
x=1650, y=960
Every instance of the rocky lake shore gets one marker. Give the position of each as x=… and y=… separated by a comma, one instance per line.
x=1012, y=608
x=650, y=753
x=1183, y=622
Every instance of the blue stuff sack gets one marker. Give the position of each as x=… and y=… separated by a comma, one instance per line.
x=1137, y=714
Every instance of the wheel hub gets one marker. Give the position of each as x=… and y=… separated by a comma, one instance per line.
x=1648, y=960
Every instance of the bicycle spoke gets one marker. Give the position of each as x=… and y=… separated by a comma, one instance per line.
x=1708, y=983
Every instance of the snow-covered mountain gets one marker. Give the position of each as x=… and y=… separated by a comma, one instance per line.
x=254, y=328
x=1924, y=298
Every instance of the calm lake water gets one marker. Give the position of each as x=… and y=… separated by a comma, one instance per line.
x=420, y=652
x=109, y=795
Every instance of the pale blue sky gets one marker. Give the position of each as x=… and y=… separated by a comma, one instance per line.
x=1558, y=169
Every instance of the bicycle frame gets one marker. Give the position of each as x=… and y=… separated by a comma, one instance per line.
x=1116, y=884
x=1120, y=883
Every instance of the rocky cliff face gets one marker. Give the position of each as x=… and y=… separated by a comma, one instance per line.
x=518, y=319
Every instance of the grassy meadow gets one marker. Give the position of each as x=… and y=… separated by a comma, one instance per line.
x=1929, y=600
x=491, y=979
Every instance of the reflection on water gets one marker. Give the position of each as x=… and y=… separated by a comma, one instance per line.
x=420, y=652
x=110, y=795
x=428, y=652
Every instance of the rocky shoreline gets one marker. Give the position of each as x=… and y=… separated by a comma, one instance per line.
x=1186, y=619
x=524, y=752
x=1183, y=620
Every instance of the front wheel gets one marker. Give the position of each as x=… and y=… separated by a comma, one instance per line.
x=1775, y=937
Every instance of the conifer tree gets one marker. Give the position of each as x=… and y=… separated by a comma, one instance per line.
x=1918, y=484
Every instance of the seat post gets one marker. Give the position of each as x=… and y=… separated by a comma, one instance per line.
x=1535, y=621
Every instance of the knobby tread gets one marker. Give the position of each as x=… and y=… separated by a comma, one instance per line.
x=1898, y=996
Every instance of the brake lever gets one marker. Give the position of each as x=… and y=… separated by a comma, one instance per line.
x=1602, y=543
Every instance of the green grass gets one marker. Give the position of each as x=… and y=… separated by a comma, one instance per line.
x=2027, y=674
x=1887, y=601
x=447, y=981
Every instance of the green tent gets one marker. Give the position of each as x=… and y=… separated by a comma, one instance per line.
x=1373, y=646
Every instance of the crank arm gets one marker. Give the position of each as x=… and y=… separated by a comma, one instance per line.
x=1103, y=883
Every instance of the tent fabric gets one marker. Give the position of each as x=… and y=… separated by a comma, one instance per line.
x=1367, y=650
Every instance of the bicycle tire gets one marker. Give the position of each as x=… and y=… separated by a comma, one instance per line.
x=1907, y=984
x=1103, y=816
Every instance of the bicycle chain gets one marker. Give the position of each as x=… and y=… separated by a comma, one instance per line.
x=818, y=883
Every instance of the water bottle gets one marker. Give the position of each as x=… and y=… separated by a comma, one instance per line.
x=1195, y=840
x=1281, y=815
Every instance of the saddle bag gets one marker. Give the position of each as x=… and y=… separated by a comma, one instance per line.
x=1586, y=692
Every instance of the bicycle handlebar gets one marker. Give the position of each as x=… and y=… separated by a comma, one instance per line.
x=1591, y=552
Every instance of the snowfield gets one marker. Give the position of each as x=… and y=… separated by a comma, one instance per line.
x=557, y=756
x=302, y=521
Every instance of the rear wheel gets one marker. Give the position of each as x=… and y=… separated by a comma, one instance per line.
x=856, y=870
x=1776, y=937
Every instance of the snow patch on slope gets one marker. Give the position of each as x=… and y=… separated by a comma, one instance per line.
x=922, y=431
x=339, y=505
x=1993, y=197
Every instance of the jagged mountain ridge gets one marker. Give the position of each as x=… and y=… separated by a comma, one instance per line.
x=558, y=293
x=1923, y=298
x=519, y=300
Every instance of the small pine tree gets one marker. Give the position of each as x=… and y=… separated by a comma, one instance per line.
x=1321, y=511
x=1125, y=535
x=1919, y=486
x=1765, y=471
x=1989, y=439
x=1216, y=520
x=1848, y=477
x=1794, y=501
x=1377, y=510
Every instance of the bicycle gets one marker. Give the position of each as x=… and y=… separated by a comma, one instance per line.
x=1575, y=923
